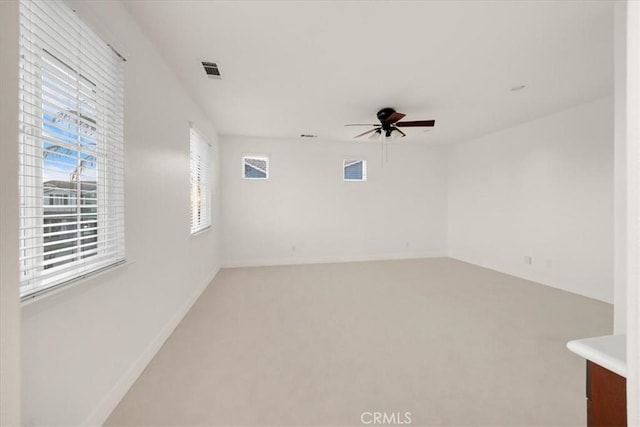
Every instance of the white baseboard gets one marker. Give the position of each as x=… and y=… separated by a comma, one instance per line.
x=266, y=262
x=516, y=271
x=102, y=411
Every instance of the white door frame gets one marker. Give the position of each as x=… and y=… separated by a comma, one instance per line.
x=633, y=212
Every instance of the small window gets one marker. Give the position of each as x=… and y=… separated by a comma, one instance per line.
x=355, y=170
x=255, y=167
x=200, y=165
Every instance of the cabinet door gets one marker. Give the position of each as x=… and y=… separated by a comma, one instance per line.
x=606, y=397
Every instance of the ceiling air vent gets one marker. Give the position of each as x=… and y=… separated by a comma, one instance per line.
x=211, y=68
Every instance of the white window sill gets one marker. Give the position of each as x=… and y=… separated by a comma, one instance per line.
x=200, y=231
x=82, y=280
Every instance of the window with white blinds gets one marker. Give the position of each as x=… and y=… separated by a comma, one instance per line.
x=200, y=188
x=71, y=149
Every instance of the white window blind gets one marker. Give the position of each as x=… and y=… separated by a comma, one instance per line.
x=71, y=149
x=200, y=156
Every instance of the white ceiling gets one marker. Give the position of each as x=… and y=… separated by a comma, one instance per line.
x=293, y=67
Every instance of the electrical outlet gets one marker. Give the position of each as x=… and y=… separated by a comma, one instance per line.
x=527, y=260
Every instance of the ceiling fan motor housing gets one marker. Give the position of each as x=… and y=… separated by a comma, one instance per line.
x=384, y=114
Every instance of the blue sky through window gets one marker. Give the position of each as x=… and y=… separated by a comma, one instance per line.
x=69, y=144
x=71, y=152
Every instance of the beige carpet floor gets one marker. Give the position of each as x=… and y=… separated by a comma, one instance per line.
x=448, y=342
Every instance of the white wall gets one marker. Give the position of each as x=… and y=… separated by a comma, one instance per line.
x=542, y=189
x=305, y=213
x=9, y=302
x=83, y=347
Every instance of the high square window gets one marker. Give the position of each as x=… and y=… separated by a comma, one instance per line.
x=255, y=167
x=354, y=170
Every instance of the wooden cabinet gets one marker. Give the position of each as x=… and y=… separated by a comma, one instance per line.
x=606, y=397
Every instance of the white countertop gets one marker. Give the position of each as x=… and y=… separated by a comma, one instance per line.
x=609, y=351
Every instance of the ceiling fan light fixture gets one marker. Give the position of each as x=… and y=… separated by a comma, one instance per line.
x=376, y=134
x=393, y=133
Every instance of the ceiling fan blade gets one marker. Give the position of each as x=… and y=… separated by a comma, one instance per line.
x=361, y=124
x=369, y=131
x=417, y=123
x=403, y=134
x=394, y=117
